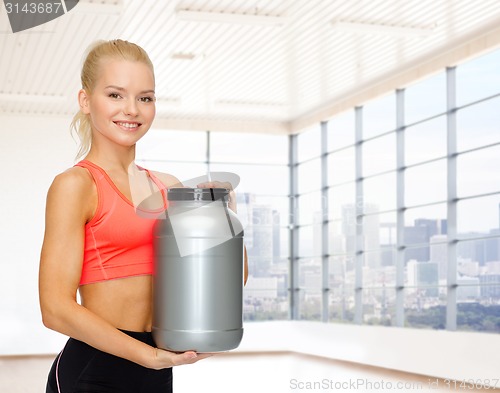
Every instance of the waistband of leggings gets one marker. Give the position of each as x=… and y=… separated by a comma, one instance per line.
x=145, y=337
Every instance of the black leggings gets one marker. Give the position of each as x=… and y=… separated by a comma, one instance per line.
x=80, y=368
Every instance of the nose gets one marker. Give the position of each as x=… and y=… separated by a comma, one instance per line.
x=131, y=108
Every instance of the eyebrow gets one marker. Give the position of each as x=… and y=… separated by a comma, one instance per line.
x=123, y=89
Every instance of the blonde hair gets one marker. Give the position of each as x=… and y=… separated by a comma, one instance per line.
x=98, y=51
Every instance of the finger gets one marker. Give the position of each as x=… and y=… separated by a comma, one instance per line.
x=206, y=185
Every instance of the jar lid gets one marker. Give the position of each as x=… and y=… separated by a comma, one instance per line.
x=196, y=194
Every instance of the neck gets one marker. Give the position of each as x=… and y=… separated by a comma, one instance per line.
x=116, y=159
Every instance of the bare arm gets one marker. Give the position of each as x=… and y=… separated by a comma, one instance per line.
x=68, y=209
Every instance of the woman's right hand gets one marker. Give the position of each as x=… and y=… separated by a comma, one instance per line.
x=165, y=359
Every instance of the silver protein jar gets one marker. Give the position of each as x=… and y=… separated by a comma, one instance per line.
x=198, y=279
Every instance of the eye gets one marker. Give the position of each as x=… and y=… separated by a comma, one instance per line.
x=147, y=99
x=114, y=95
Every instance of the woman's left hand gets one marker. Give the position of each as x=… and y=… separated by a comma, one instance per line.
x=226, y=185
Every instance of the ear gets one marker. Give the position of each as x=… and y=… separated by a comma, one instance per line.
x=83, y=101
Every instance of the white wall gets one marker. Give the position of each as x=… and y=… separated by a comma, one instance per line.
x=32, y=151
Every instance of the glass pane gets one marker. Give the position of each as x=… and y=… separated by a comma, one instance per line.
x=425, y=98
x=478, y=215
x=379, y=306
x=438, y=253
x=260, y=251
x=341, y=166
x=379, y=192
x=478, y=125
x=379, y=116
x=479, y=258
x=276, y=206
x=341, y=304
x=478, y=172
x=309, y=143
x=310, y=282
x=309, y=208
x=264, y=241
x=309, y=240
x=341, y=283
x=478, y=308
x=426, y=183
x=309, y=176
x=342, y=233
x=338, y=197
x=337, y=240
x=423, y=309
x=258, y=179
x=417, y=254
x=379, y=155
x=266, y=297
x=380, y=268
x=426, y=141
x=248, y=148
x=371, y=237
x=421, y=224
x=379, y=230
x=423, y=277
x=478, y=78
x=342, y=271
x=341, y=130
x=173, y=145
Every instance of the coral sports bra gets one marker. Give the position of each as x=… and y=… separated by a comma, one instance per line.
x=118, y=240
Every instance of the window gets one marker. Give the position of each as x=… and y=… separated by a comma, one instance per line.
x=478, y=172
x=379, y=116
x=426, y=183
x=341, y=166
x=479, y=78
x=425, y=141
x=434, y=91
x=478, y=125
x=379, y=154
x=375, y=274
x=341, y=131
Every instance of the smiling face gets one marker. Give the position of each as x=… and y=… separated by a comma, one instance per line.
x=121, y=105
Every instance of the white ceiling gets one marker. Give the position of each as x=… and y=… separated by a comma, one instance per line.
x=230, y=75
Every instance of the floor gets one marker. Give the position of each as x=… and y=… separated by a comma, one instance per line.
x=245, y=373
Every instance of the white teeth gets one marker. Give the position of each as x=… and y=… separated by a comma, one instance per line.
x=128, y=125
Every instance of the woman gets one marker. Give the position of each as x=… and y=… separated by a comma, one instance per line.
x=96, y=243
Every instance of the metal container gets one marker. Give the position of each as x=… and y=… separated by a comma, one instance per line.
x=198, y=280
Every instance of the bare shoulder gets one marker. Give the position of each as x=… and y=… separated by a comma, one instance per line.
x=75, y=180
x=73, y=189
x=167, y=179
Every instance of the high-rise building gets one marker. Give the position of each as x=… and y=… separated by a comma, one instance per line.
x=262, y=245
x=423, y=276
x=468, y=288
x=492, y=247
x=490, y=286
x=371, y=232
x=421, y=233
x=439, y=254
x=349, y=223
